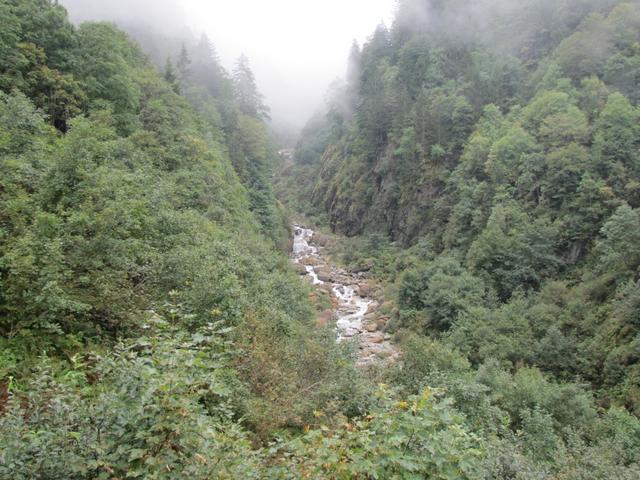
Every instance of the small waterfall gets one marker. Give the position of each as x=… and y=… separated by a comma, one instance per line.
x=301, y=246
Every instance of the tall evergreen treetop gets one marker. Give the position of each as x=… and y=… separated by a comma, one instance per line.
x=171, y=76
x=184, y=66
x=250, y=100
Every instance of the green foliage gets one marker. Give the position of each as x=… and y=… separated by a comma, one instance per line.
x=616, y=138
x=514, y=252
x=149, y=327
x=443, y=290
x=132, y=202
x=156, y=407
x=505, y=177
x=618, y=251
x=415, y=438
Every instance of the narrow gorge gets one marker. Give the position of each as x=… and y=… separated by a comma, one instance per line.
x=276, y=240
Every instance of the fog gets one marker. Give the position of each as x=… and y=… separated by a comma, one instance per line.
x=296, y=47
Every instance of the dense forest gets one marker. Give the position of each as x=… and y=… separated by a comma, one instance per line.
x=483, y=158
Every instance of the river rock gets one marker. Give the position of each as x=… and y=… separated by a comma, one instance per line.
x=371, y=327
x=350, y=282
x=365, y=290
x=376, y=337
x=362, y=268
x=311, y=261
x=340, y=278
x=324, y=274
x=367, y=352
x=349, y=309
x=320, y=239
x=300, y=269
x=370, y=317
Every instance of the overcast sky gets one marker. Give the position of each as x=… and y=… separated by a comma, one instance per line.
x=296, y=47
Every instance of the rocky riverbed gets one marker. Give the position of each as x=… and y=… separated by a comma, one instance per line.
x=355, y=310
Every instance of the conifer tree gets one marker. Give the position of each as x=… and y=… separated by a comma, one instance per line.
x=250, y=100
x=184, y=67
x=170, y=75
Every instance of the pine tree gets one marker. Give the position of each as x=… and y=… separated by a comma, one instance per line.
x=184, y=67
x=353, y=66
x=205, y=50
x=249, y=99
x=207, y=71
x=170, y=75
x=354, y=72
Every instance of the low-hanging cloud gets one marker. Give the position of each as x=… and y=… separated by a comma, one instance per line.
x=296, y=47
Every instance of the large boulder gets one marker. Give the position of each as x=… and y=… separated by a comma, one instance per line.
x=311, y=261
x=300, y=269
x=324, y=274
x=362, y=268
x=371, y=327
x=376, y=337
x=381, y=322
x=365, y=290
x=370, y=317
x=373, y=307
x=320, y=239
x=346, y=279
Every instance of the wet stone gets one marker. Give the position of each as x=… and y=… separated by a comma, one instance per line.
x=311, y=261
x=376, y=337
x=371, y=327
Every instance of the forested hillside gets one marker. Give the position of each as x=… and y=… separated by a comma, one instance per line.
x=151, y=323
x=485, y=158
x=503, y=145
x=148, y=325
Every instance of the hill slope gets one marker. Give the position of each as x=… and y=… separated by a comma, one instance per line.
x=498, y=140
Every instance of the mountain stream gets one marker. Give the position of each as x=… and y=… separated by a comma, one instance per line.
x=355, y=313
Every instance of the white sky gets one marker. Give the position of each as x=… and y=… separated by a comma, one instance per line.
x=296, y=47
